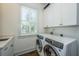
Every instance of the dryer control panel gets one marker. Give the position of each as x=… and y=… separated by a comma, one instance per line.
x=54, y=43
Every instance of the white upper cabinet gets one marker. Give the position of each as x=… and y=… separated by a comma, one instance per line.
x=52, y=15
x=48, y=16
x=69, y=15
x=61, y=14
x=57, y=14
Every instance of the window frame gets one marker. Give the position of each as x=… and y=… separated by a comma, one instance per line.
x=20, y=21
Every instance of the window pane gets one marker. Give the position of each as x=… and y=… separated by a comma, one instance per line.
x=28, y=20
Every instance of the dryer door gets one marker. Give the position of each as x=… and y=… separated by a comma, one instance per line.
x=39, y=45
x=49, y=51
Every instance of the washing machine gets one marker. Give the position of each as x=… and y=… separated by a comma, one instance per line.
x=59, y=47
x=39, y=45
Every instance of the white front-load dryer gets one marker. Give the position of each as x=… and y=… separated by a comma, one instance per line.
x=57, y=48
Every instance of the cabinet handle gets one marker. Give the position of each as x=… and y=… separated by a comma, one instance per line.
x=5, y=48
x=61, y=24
x=11, y=45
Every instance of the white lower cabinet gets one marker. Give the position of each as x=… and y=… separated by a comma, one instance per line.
x=7, y=50
x=24, y=44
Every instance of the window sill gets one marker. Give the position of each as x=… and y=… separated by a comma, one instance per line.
x=22, y=35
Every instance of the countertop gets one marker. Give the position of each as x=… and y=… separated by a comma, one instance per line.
x=64, y=40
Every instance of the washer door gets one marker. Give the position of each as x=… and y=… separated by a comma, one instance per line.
x=49, y=51
x=39, y=45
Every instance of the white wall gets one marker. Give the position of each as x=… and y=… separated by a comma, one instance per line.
x=0, y=19
x=11, y=17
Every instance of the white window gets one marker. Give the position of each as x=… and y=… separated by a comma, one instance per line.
x=28, y=20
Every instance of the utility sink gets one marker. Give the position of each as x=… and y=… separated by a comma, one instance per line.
x=3, y=39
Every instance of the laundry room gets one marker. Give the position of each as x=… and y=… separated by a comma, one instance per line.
x=39, y=29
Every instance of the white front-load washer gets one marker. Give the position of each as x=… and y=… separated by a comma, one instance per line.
x=39, y=44
x=48, y=48
x=59, y=48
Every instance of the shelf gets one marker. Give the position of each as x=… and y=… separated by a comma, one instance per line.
x=63, y=26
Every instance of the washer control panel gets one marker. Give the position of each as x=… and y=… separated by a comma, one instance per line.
x=48, y=40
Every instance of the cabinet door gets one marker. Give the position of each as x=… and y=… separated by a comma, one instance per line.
x=49, y=16
x=52, y=15
x=69, y=13
x=24, y=43
x=57, y=14
x=46, y=24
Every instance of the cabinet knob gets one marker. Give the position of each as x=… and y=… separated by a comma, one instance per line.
x=61, y=24
x=11, y=45
x=5, y=48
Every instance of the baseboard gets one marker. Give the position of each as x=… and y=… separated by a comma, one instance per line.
x=23, y=52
